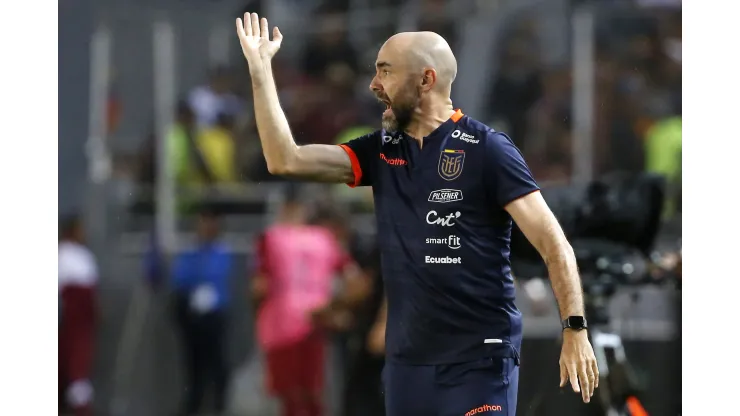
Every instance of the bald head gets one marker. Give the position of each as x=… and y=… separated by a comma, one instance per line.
x=424, y=50
x=413, y=78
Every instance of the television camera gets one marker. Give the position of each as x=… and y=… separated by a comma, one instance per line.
x=612, y=225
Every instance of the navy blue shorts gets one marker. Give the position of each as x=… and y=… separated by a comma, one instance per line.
x=483, y=387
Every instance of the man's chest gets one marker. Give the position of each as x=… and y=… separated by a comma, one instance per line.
x=439, y=185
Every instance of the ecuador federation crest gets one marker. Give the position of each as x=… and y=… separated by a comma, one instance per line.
x=451, y=164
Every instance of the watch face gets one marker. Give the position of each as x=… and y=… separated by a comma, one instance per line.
x=577, y=322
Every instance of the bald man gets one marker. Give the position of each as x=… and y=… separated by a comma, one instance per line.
x=446, y=190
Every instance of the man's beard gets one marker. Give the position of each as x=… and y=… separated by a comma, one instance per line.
x=401, y=112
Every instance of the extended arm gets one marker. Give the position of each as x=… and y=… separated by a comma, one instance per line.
x=537, y=222
x=541, y=228
x=323, y=163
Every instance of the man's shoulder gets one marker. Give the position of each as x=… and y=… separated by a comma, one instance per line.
x=365, y=145
x=479, y=130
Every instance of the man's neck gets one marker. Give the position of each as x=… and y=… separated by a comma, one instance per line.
x=425, y=121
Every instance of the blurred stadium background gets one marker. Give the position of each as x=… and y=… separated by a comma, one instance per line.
x=585, y=88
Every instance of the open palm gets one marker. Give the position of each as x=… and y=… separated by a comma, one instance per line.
x=254, y=37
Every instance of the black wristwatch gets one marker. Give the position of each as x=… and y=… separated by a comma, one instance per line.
x=575, y=323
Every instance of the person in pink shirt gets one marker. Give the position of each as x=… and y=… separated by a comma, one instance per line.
x=293, y=291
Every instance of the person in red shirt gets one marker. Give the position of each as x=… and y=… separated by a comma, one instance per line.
x=78, y=277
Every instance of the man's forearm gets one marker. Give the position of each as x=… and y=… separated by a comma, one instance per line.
x=566, y=284
x=278, y=145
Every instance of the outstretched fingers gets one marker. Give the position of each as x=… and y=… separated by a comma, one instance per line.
x=255, y=25
x=240, y=28
x=264, y=32
x=247, y=24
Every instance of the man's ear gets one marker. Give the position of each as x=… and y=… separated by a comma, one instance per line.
x=428, y=79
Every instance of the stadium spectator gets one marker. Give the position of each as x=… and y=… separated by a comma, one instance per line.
x=178, y=139
x=663, y=150
x=216, y=144
x=329, y=47
x=201, y=282
x=214, y=99
x=78, y=278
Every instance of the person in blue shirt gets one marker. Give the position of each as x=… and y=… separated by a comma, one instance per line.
x=201, y=279
x=446, y=190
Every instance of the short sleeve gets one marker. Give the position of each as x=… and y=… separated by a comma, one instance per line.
x=508, y=177
x=364, y=152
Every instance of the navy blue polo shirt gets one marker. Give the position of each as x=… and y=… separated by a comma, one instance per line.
x=444, y=238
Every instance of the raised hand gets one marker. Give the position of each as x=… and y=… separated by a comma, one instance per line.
x=254, y=38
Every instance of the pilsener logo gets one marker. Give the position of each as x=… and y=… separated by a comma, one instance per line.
x=442, y=260
x=484, y=408
x=393, y=161
x=446, y=195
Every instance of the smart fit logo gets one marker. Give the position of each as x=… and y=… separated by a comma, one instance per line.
x=393, y=161
x=485, y=408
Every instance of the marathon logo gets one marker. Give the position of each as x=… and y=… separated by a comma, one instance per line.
x=442, y=260
x=486, y=408
x=445, y=195
x=393, y=161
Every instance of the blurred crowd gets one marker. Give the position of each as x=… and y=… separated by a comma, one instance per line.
x=637, y=97
x=637, y=90
x=323, y=97
x=314, y=282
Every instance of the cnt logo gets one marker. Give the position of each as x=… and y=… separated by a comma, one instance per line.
x=434, y=219
x=457, y=134
x=445, y=195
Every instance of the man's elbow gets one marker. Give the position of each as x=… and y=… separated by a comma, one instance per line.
x=286, y=166
x=557, y=252
x=278, y=169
